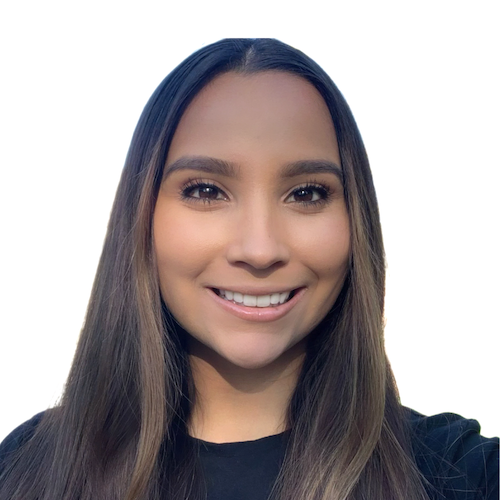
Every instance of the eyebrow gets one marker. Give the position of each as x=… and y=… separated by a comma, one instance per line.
x=202, y=164
x=312, y=167
x=228, y=169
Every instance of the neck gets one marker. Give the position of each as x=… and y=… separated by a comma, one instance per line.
x=239, y=404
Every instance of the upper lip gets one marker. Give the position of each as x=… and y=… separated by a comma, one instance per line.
x=256, y=290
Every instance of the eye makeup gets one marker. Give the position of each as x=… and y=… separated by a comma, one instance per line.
x=309, y=194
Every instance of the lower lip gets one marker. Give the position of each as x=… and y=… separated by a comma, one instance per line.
x=272, y=313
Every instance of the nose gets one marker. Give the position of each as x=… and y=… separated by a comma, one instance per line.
x=258, y=240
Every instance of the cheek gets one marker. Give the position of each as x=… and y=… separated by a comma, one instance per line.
x=184, y=245
x=325, y=246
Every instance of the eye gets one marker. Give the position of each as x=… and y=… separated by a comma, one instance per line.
x=202, y=191
x=309, y=195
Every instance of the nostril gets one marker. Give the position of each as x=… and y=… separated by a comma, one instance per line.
x=258, y=252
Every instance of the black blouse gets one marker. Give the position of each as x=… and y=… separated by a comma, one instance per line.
x=458, y=462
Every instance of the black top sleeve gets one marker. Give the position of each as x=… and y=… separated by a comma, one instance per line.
x=458, y=462
x=17, y=438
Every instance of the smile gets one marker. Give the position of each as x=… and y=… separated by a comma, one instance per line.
x=260, y=308
x=272, y=299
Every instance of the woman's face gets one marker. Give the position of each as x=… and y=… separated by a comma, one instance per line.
x=251, y=229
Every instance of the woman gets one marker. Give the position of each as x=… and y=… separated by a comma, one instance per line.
x=233, y=344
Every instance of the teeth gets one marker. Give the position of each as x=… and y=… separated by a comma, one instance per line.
x=255, y=300
x=250, y=300
x=264, y=301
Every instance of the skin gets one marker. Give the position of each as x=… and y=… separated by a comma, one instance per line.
x=251, y=231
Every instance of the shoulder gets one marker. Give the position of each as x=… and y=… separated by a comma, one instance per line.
x=452, y=455
x=17, y=438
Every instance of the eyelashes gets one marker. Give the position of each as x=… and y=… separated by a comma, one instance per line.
x=201, y=191
x=310, y=194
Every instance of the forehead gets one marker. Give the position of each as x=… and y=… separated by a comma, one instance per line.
x=256, y=116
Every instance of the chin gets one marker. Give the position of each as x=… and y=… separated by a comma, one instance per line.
x=251, y=362
x=256, y=355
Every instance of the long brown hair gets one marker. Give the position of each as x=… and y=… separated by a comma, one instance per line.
x=120, y=432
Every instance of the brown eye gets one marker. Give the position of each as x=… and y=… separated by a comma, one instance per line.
x=203, y=192
x=305, y=194
x=207, y=192
x=308, y=195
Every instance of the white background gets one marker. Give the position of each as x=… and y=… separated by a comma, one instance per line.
x=422, y=81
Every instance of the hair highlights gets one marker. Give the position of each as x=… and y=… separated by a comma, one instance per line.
x=119, y=431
